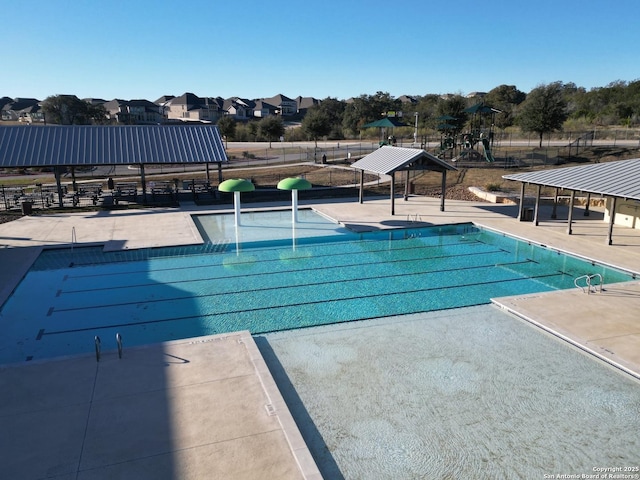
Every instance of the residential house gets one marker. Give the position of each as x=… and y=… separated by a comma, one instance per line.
x=163, y=105
x=263, y=109
x=11, y=110
x=4, y=101
x=407, y=99
x=133, y=112
x=284, y=105
x=305, y=103
x=32, y=114
x=188, y=107
x=240, y=109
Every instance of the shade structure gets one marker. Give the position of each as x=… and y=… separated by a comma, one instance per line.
x=294, y=184
x=389, y=160
x=481, y=108
x=445, y=118
x=236, y=185
x=385, y=122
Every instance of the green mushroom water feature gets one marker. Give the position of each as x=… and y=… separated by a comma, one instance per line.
x=294, y=184
x=236, y=185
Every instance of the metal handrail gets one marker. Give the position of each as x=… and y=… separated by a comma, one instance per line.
x=73, y=242
x=119, y=342
x=588, y=278
x=599, y=277
x=97, y=342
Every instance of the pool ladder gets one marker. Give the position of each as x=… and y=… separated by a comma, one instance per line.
x=588, y=280
x=98, y=345
x=74, y=240
x=414, y=218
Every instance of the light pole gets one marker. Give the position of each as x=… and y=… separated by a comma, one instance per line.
x=415, y=132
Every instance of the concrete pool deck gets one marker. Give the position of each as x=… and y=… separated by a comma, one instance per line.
x=603, y=323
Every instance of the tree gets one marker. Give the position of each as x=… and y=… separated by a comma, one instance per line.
x=368, y=108
x=227, y=126
x=504, y=98
x=271, y=127
x=70, y=110
x=316, y=124
x=544, y=110
x=453, y=107
x=334, y=109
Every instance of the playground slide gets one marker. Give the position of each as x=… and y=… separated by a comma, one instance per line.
x=487, y=150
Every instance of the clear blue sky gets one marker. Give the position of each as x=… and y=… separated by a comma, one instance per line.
x=255, y=48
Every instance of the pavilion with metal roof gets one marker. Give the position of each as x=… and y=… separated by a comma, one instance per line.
x=388, y=160
x=618, y=181
x=62, y=146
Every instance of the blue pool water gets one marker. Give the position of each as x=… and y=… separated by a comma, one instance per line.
x=269, y=285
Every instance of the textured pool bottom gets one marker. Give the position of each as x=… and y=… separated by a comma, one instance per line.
x=466, y=393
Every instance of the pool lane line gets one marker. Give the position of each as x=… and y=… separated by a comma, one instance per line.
x=282, y=272
x=292, y=305
x=254, y=289
x=350, y=253
x=266, y=289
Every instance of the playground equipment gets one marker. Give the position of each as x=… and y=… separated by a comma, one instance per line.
x=487, y=150
x=480, y=131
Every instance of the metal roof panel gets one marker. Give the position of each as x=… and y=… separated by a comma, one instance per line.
x=614, y=179
x=50, y=145
x=387, y=159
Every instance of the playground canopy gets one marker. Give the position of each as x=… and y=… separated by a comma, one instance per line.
x=446, y=118
x=388, y=160
x=481, y=108
x=386, y=122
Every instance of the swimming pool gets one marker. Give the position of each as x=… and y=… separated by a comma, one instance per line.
x=230, y=284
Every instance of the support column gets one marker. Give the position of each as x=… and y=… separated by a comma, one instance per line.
x=73, y=178
x=406, y=187
x=444, y=190
x=586, y=207
x=143, y=181
x=521, y=206
x=570, y=219
x=393, y=193
x=294, y=206
x=554, y=212
x=537, y=207
x=207, y=170
x=612, y=215
x=219, y=172
x=56, y=172
x=361, y=193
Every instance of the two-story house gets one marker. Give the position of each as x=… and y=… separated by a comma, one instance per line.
x=305, y=103
x=240, y=109
x=11, y=110
x=190, y=107
x=133, y=112
x=283, y=104
x=263, y=109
